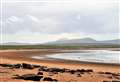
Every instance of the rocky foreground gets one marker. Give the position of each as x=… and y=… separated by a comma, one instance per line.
x=24, y=72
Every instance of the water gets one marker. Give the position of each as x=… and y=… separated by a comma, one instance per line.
x=101, y=56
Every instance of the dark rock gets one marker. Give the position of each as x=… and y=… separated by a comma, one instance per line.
x=72, y=71
x=108, y=73
x=55, y=80
x=66, y=70
x=47, y=79
x=114, y=74
x=43, y=68
x=106, y=81
x=110, y=77
x=115, y=81
x=101, y=73
x=17, y=66
x=32, y=77
x=27, y=66
x=6, y=65
x=78, y=75
x=40, y=73
x=56, y=70
x=89, y=70
x=81, y=70
x=36, y=66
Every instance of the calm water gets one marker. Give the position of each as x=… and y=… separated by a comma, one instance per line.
x=102, y=56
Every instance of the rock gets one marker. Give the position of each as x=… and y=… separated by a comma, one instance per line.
x=40, y=73
x=89, y=70
x=17, y=66
x=115, y=81
x=6, y=65
x=55, y=80
x=32, y=77
x=78, y=75
x=56, y=70
x=27, y=66
x=101, y=73
x=43, y=68
x=72, y=71
x=108, y=73
x=110, y=77
x=47, y=79
x=81, y=70
x=106, y=81
x=114, y=74
x=36, y=66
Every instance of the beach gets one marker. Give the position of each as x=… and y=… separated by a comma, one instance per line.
x=97, y=73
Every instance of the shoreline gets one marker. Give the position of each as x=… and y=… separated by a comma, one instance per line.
x=24, y=55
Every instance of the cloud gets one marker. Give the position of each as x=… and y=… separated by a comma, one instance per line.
x=57, y=17
x=33, y=18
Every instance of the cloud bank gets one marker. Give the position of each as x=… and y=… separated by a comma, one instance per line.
x=55, y=18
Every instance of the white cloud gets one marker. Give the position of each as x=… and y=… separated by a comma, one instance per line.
x=33, y=18
x=59, y=18
x=13, y=19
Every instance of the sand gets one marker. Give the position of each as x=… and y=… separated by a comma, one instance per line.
x=23, y=56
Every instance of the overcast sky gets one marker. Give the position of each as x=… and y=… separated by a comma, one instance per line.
x=37, y=21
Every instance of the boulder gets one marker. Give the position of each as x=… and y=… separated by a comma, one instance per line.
x=108, y=73
x=17, y=66
x=72, y=71
x=47, y=79
x=106, y=81
x=27, y=66
x=32, y=77
x=40, y=73
x=43, y=68
x=81, y=70
x=56, y=70
x=115, y=81
x=89, y=70
x=36, y=66
x=6, y=65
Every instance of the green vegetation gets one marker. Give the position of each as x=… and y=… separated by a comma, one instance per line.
x=2, y=47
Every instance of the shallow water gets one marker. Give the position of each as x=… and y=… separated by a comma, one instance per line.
x=101, y=56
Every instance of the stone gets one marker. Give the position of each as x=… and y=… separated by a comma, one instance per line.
x=47, y=79
x=27, y=66
x=40, y=73
x=32, y=77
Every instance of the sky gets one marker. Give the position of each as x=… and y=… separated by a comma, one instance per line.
x=39, y=21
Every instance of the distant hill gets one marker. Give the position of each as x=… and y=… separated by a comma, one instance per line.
x=64, y=41
x=83, y=41
x=15, y=43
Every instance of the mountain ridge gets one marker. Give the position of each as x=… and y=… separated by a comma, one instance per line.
x=85, y=41
x=70, y=41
